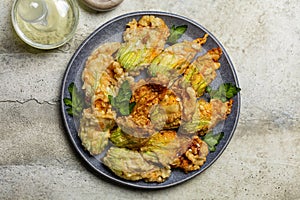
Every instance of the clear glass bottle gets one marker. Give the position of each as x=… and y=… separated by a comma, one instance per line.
x=45, y=24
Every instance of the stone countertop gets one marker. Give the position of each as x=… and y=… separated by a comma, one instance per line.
x=262, y=160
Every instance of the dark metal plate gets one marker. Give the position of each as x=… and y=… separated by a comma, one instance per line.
x=112, y=32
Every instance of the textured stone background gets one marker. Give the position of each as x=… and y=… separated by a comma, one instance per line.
x=262, y=160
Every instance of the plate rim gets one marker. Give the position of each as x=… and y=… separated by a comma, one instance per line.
x=64, y=114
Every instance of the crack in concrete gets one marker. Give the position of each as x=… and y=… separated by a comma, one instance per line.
x=29, y=100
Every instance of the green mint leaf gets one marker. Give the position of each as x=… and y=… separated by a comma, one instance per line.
x=212, y=140
x=124, y=92
x=124, y=110
x=131, y=106
x=121, y=103
x=223, y=99
x=69, y=111
x=71, y=88
x=176, y=33
x=111, y=100
x=231, y=90
x=75, y=103
x=225, y=92
x=208, y=89
x=68, y=102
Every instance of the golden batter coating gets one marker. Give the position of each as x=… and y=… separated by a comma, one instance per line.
x=203, y=70
x=156, y=108
x=93, y=137
x=131, y=165
x=96, y=64
x=219, y=111
x=145, y=98
x=164, y=147
x=152, y=162
x=208, y=116
x=174, y=59
x=194, y=157
x=143, y=41
x=100, y=76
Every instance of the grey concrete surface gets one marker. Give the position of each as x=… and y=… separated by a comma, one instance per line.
x=262, y=160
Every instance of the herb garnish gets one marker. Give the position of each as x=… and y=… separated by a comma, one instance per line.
x=225, y=92
x=212, y=140
x=176, y=33
x=122, y=101
x=75, y=102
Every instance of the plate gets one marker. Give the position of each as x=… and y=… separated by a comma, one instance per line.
x=112, y=31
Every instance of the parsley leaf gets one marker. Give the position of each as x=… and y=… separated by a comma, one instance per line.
x=212, y=140
x=121, y=103
x=75, y=102
x=176, y=33
x=225, y=92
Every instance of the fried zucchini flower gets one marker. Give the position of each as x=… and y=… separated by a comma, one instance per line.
x=96, y=64
x=208, y=116
x=152, y=161
x=143, y=41
x=174, y=59
x=164, y=147
x=126, y=140
x=194, y=157
x=131, y=165
x=203, y=70
x=156, y=108
x=93, y=137
x=100, y=76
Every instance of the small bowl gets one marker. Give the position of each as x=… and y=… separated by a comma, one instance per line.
x=39, y=41
x=102, y=5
